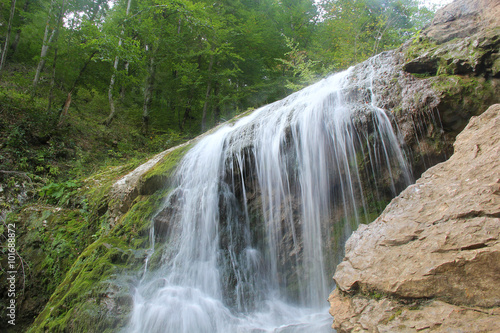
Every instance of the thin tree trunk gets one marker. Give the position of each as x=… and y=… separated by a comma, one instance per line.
x=53, y=80
x=17, y=38
x=9, y=28
x=147, y=96
x=45, y=47
x=217, y=106
x=187, y=110
x=15, y=42
x=207, y=95
x=67, y=103
x=112, y=111
x=122, y=88
x=179, y=122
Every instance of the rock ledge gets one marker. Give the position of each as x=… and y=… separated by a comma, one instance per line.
x=435, y=249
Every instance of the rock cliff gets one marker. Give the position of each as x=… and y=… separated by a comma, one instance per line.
x=431, y=261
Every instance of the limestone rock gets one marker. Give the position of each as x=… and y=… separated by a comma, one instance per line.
x=138, y=182
x=456, y=63
x=439, y=239
x=364, y=314
x=464, y=18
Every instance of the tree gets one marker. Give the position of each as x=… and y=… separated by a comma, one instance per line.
x=82, y=36
x=354, y=30
x=301, y=68
x=112, y=112
x=9, y=28
x=45, y=44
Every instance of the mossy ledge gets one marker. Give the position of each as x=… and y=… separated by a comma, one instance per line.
x=94, y=295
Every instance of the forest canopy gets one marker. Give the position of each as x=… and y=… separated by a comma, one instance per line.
x=168, y=69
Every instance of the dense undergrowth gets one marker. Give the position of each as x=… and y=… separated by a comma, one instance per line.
x=55, y=180
x=37, y=149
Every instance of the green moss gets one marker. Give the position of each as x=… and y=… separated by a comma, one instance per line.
x=85, y=280
x=452, y=85
x=156, y=178
x=96, y=188
x=49, y=239
x=168, y=163
x=461, y=98
x=395, y=314
x=91, y=298
x=375, y=294
x=419, y=46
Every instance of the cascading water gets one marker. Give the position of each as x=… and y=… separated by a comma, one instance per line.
x=261, y=209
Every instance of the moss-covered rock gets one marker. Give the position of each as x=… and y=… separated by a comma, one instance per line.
x=95, y=295
x=51, y=233
x=70, y=250
x=146, y=179
x=48, y=240
x=91, y=298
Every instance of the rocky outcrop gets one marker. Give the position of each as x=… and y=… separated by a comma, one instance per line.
x=143, y=180
x=449, y=72
x=432, y=259
x=462, y=19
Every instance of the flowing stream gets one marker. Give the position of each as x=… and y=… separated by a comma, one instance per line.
x=260, y=210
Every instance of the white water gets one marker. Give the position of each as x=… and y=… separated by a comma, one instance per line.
x=229, y=267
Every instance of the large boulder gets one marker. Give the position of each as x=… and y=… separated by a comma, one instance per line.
x=439, y=240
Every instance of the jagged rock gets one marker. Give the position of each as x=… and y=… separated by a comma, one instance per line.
x=439, y=239
x=454, y=69
x=464, y=18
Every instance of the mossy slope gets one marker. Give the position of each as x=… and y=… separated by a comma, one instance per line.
x=87, y=264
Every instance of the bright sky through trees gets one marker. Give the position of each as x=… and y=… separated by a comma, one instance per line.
x=438, y=3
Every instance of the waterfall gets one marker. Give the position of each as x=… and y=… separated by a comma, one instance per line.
x=261, y=209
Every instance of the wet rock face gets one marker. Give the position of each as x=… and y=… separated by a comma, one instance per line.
x=436, y=81
x=440, y=239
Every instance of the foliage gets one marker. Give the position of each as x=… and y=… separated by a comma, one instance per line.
x=300, y=67
x=59, y=193
x=183, y=63
x=357, y=29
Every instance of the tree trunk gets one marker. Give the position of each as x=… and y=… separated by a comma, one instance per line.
x=112, y=112
x=67, y=103
x=15, y=43
x=112, y=108
x=187, y=111
x=45, y=47
x=122, y=88
x=53, y=80
x=207, y=95
x=9, y=28
x=147, y=97
x=217, y=105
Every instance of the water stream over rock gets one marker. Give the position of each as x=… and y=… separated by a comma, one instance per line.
x=261, y=209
